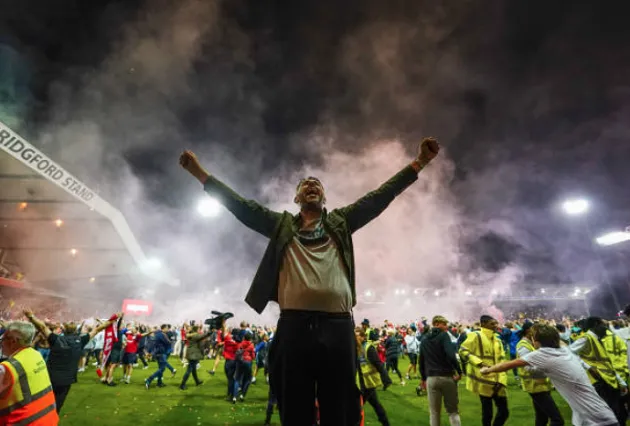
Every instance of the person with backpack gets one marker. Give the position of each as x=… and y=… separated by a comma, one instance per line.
x=243, y=374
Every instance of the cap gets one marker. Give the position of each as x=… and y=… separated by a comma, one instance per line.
x=365, y=322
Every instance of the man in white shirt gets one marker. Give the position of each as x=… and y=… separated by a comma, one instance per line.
x=567, y=375
x=413, y=347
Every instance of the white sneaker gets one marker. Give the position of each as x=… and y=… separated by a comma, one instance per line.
x=253, y=380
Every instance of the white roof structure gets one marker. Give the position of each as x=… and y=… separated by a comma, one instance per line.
x=57, y=232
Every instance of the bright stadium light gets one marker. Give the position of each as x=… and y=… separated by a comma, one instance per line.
x=613, y=238
x=576, y=206
x=436, y=292
x=542, y=290
x=208, y=207
x=468, y=292
x=368, y=293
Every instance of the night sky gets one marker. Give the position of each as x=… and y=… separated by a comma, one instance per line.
x=530, y=100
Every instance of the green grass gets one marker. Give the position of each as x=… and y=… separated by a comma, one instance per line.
x=91, y=403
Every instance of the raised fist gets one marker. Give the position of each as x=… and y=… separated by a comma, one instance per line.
x=429, y=148
x=188, y=160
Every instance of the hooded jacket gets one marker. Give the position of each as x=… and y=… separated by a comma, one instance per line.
x=438, y=355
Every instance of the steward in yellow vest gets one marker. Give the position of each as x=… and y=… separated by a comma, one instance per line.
x=536, y=384
x=484, y=349
x=618, y=352
x=370, y=372
x=601, y=372
x=26, y=396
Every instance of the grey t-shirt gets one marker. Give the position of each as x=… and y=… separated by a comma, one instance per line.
x=570, y=379
x=313, y=276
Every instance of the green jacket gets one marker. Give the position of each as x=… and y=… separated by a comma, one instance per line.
x=194, y=352
x=281, y=227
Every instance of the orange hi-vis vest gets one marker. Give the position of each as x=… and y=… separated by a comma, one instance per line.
x=29, y=400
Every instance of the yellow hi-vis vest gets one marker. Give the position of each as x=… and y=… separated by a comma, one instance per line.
x=483, y=347
x=618, y=353
x=30, y=399
x=528, y=382
x=371, y=376
x=596, y=356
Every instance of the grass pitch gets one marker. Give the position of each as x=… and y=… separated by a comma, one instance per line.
x=92, y=403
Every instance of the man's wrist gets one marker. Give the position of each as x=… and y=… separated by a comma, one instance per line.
x=202, y=176
x=418, y=164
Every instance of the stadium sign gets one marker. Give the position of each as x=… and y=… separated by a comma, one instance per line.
x=33, y=158
x=137, y=307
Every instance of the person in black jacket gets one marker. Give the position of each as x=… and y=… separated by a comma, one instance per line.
x=440, y=371
x=393, y=352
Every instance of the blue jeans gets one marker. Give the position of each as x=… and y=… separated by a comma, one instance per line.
x=230, y=370
x=161, y=360
x=242, y=377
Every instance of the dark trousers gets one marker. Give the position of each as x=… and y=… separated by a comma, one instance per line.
x=230, y=371
x=161, y=360
x=141, y=357
x=60, y=392
x=192, y=369
x=369, y=395
x=486, y=410
x=392, y=364
x=612, y=397
x=546, y=410
x=313, y=355
x=242, y=377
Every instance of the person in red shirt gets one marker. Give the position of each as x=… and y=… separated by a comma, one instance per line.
x=230, y=346
x=243, y=377
x=182, y=349
x=130, y=357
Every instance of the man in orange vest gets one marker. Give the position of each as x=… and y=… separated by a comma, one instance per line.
x=26, y=395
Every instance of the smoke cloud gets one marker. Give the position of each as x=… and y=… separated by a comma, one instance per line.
x=348, y=105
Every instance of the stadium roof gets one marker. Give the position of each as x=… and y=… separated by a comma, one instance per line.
x=58, y=233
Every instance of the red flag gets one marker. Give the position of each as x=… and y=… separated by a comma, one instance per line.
x=111, y=336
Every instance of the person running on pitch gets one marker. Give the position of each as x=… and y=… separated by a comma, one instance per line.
x=536, y=384
x=567, y=375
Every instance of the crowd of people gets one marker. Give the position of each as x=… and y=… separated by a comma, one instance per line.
x=585, y=360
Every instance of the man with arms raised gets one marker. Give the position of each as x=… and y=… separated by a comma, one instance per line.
x=308, y=268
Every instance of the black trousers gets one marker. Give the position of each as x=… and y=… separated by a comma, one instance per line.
x=141, y=357
x=546, y=410
x=230, y=371
x=486, y=410
x=192, y=369
x=612, y=397
x=392, y=364
x=60, y=392
x=313, y=355
x=369, y=395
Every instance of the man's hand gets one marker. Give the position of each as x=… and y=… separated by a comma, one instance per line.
x=485, y=370
x=188, y=160
x=429, y=148
x=28, y=313
x=457, y=377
